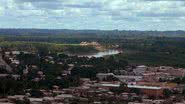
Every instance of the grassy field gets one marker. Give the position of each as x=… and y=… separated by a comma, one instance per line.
x=47, y=47
x=17, y=43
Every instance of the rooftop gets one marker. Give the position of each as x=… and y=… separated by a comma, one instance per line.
x=108, y=85
x=143, y=87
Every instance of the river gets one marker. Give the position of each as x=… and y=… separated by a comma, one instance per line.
x=101, y=54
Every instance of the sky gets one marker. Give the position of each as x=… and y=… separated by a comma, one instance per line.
x=93, y=14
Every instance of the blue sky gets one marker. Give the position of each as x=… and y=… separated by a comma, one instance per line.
x=93, y=14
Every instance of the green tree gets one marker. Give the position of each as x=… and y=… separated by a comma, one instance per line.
x=167, y=93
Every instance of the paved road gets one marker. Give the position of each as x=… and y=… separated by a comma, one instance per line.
x=2, y=62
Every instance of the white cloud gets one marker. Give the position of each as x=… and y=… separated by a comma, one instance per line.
x=100, y=14
x=1, y=10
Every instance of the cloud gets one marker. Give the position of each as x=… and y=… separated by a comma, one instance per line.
x=164, y=0
x=93, y=14
x=36, y=0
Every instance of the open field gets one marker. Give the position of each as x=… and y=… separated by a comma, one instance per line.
x=46, y=47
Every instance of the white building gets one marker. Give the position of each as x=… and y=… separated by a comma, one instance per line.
x=126, y=79
x=139, y=70
x=102, y=76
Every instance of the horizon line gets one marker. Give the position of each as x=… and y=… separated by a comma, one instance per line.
x=92, y=29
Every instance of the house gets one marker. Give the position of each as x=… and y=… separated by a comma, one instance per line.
x=48, y=100
x=158, y=101
x=155, y=76
x=106, y=85
x=14, y=76
x=64, y=96
x=172, y=71
x=15, y=52
x=4, y=101
x=2, y=66
x=126, y=79
x=26, y=70
x=148, y=90
x=7, y=53
x=102, y=76
x=139, y=70
x=16, y=62
x=180, y=88
x=15, y=97
x=36, y=100
x=34, y=67
x=164, y=85
x=149, y=101
x=89, y=43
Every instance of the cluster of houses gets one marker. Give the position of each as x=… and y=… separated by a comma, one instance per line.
x=89, y=44
x=135, y=85
x=150, y=81
x=100, y=92
x=97, y=45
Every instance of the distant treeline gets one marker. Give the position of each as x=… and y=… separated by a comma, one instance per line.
x=86, y=32
x=77, y=36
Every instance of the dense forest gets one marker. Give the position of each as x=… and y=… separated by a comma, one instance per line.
x=139, y=47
